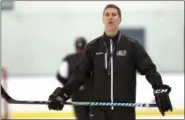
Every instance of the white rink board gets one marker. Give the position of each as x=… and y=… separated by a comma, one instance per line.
x=39, y=88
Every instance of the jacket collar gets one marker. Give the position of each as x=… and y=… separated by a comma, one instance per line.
x=107, y=38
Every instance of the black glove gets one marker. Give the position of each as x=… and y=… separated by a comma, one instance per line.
x=162, y=98
x=57, y=98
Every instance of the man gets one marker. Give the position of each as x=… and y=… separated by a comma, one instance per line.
x=67, y=67
x=114, y=59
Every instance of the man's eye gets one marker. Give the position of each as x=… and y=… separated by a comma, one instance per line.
x=114, y=14
x=106, y=15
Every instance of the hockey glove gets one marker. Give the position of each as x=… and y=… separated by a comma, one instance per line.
x=162, y=99
x=57, y=98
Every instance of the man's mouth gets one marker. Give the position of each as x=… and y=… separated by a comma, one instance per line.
x=110, y=22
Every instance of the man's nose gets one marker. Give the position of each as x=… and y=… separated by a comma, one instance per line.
x=110, y=17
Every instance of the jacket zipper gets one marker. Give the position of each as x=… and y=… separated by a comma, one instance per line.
x=111, y=62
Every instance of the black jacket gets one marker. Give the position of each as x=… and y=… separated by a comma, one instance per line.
x=128, y=57
x=84, y=94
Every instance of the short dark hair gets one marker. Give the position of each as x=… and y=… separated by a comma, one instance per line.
x=113, y=6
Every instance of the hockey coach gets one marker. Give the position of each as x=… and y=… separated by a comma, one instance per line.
x=114, y=58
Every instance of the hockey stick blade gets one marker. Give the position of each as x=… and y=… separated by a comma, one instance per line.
x=10, y=100
x=6, y=96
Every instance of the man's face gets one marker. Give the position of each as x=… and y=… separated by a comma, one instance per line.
x=111, y=19
x=80, y=50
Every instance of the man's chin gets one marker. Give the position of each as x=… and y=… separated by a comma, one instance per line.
x=111, y=28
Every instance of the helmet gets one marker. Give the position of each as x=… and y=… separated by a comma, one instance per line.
x=80, y=43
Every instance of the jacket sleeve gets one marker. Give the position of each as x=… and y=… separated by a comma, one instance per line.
x=81, y=73
x=62, y=73
x=145, y=66
x=61, y=79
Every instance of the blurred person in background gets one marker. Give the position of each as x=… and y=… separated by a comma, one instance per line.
x=67, y=67
x=114, y=58
x=4, y=73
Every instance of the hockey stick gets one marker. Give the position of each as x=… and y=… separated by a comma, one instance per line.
x=14, y=101
x=10, y=100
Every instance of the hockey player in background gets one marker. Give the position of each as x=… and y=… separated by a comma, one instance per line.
x=114, y=58
x=67, y=67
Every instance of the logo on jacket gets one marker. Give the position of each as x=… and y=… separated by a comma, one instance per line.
x=121, y=53
x=99, y=53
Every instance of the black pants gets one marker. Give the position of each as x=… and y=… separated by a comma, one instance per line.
x=82, y=112
x=116, y=114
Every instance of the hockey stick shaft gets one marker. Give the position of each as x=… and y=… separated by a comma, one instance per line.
x=120, y=104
